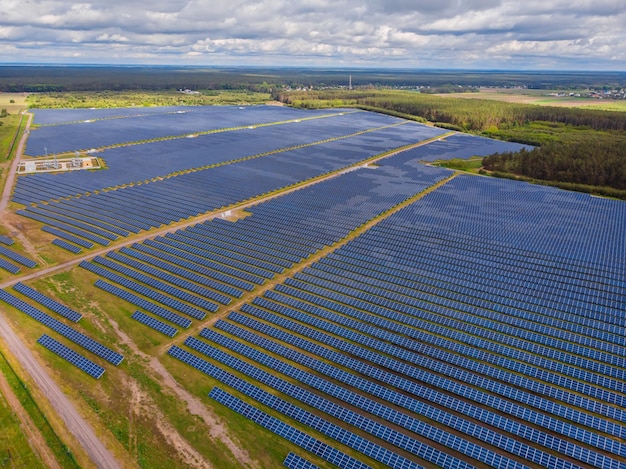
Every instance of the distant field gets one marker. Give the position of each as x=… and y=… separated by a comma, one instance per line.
x=13, y=107
x=540, y=97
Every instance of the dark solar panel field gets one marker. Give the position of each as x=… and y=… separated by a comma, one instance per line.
x=482, y=324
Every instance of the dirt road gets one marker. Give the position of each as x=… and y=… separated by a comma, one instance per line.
x=6, y=193
x=77, y=425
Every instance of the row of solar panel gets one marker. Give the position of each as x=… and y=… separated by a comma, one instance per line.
x=293, y=461
x=334, y=431
x=545, y=326
x=76, y=359
x=467, y=371
x=17, y=257
x=165, y=287
x=64, y=330
x=577, y=384
x=143, y=290
x=67, y=246
x=6, y=265
x=47, y=302
x=144, y=304
x=6, y=240
x=459, y=331
x=155, y=324
x=176, y=280
x=274, y=425
x=427, y=394
x=374, y=407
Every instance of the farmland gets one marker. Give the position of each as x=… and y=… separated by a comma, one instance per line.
x=310, y=286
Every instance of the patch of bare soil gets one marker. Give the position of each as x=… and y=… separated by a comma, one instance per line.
x=217, y=428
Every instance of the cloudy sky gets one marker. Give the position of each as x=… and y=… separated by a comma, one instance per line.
x=478, y=34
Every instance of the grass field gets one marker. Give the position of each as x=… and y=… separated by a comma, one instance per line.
x=541, y=98
x=110, y=99
x=14, y=448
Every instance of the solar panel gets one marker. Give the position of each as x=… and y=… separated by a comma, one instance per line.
x=155, y=324
x=148, y=306
x=288, y=432
x=293, y=461
x=47, y=302
x=71, y=356
x=17, y=257
x=65, y=245
x=66, y=331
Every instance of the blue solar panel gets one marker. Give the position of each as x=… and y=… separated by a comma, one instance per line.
x=47, y=302
x=81, y=339
x=148, y=306
x=6, y=240
x=154, y=324
x=65, y=245
x=67, y=236
x=6, y=265
x=17, y=257
x=71, y=356
x=293, y=461
x=288, y=432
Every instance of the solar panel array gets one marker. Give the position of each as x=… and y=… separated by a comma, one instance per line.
x=293, y=461
x=26, y=262
x=481, y=326
x=516, y=343
x=155, y=324
x=133, y=195
x=6, y=240
x=76, y=359
x=67, y=246
x=66, y=331
x=47, y=302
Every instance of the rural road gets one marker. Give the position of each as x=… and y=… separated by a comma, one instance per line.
x=6, y=193
x=77, y=425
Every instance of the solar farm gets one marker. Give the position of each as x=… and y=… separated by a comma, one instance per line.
x=320, y=290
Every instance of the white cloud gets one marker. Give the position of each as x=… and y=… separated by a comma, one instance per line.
x=445, y=33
